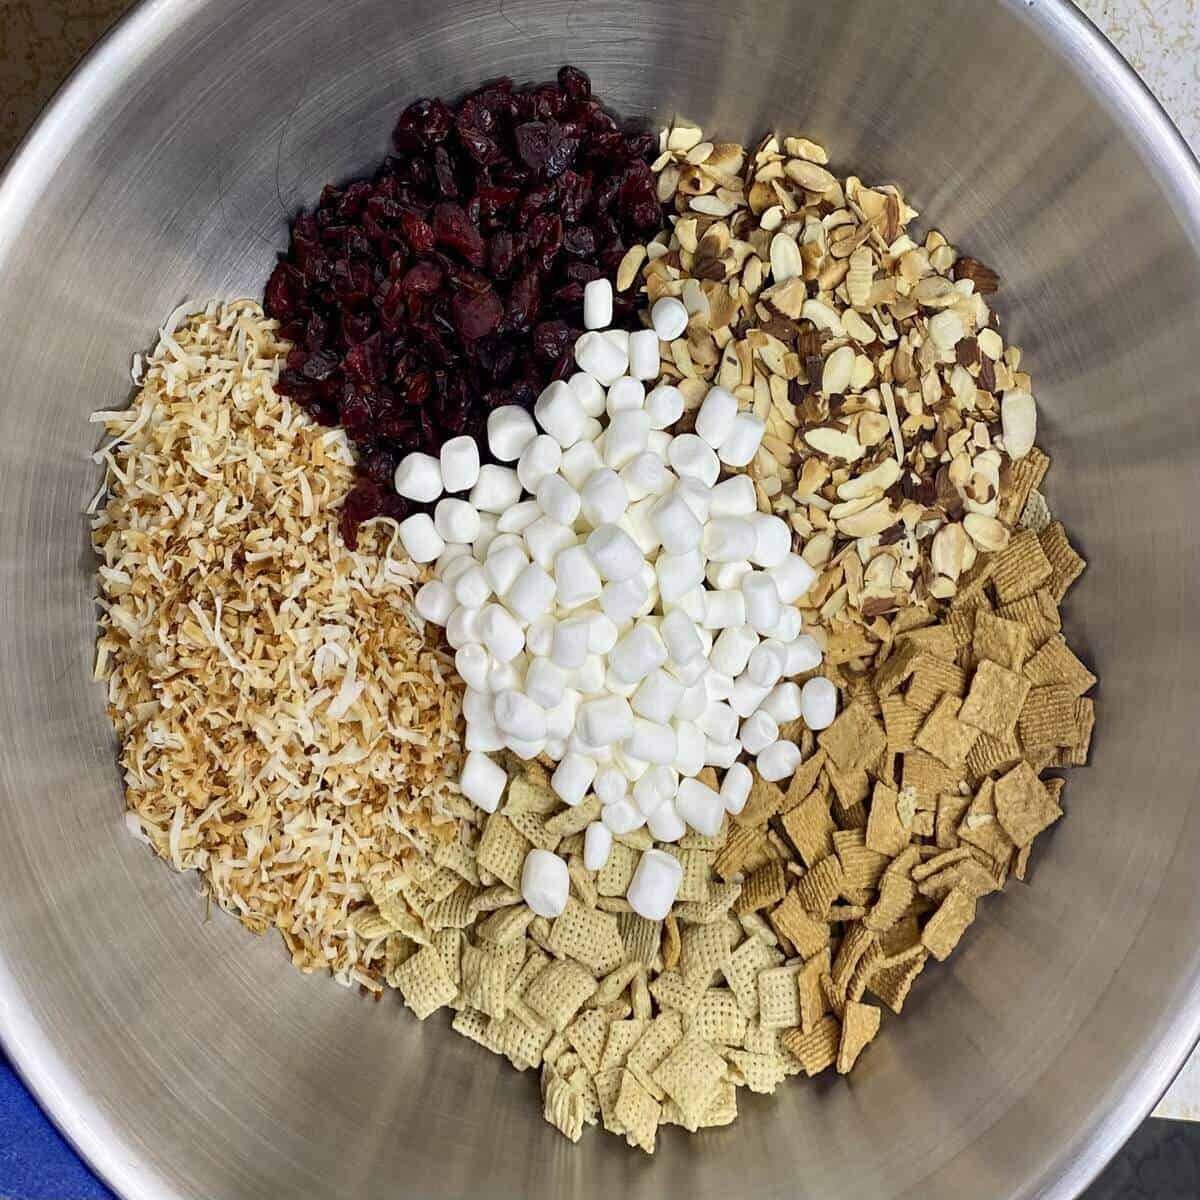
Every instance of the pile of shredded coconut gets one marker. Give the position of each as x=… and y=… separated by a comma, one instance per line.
x=288, y=728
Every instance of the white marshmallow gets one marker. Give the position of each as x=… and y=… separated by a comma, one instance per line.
x=690, y=673
x=502, y=566
x=435, y=602
x=714, y=421
x=556, y=748
x=570, y=643
x=572, y=778
x=637, y=653
x=622, y=599
x=728, y=539
x=636, y=523
x=778, y=761
x=793, y=577
x=539, y=637
x=787, y=628
x=589, y=678
x=603, y=498
x=484, y=737
x=419, y=477
x=655, y=885
x=473, y=663
x=420, y=538
x=602, y=633
x=734, y=497
x=545, y=883
x=726, y=576
x=615, y=554
x=611, y=785
x=692, y=603
x=589, y=393
x=560, y=720
x=619, y=338
x=626, y=437
x=665, y=406
x=723, y=609
x=803, y=655
x=735, y=788
x=758, y=731
x=523, y=748
x=542, y=457
x=576, y=578
x=456, y=521
x=693, y=702
x=697, y=495
x=546, y=538
x=644, y=359
x=657, y=697
x=783, y=703
x=496, y=490
x=472, y=587
x=772, y=540
x=519, y=716
x=701, y=807
x=482, y=781
x=678, y=632
x=502, y=635
x=718, y=685
x=665, y=824
x=678, y=574
x=488, y=532
x=721, y=754
x=818, y=700
x=459, y=460
x=675, y=524
x=669, y=318
x=606, y=721
x=531, y=594
x=601, y=357
x=453, y=558
x=692, y=455
x=597, y=845
x=579, y=462
x=689, y=748
x=505, y=676
x=747, y=696
x=560, y=414
x=651, y=742
x=626, y=395
x=477, y=701
x=517, y=519
x=645, y=475
x=719, y=721
x=545, y=683
x=741, y=444
x=647, y=794
x=762, y=601
x=509, y=430
x=767, y=664
x=462, y=627
x=623, y=816
x=659, y=440
x=732, y=649
x=597, y=304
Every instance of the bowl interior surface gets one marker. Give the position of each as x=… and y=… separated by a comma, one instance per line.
x=187, y=1058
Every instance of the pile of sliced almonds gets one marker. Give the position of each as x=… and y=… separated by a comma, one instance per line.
x=894, y=410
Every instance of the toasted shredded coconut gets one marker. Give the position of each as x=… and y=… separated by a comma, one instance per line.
x=288, y=729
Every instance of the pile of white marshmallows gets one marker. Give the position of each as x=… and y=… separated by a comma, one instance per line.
x=616, y=605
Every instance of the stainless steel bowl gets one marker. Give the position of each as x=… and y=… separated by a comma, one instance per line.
x=186, y=1058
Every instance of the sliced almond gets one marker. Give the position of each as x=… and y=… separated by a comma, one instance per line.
x=833, y=443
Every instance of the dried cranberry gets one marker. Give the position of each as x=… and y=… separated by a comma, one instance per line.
x=574, y=83
x=476, y=316
x=422, y=124
x=580, y=242
x=536, y=140
x=454, y=231
x=552, y=339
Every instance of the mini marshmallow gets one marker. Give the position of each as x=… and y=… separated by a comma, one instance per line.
x=589, y=678
x=488, y=532
x=714, y=421
x=728, y=539
x=435, y=602
x=454, y=557
x=570, y=643
x=597, y=845
x=645, y=475
x=757, y=732
x=669, y=318
x=523, y=748
x=626, y=395
x=459, y=460
x=546, y=538
x=419, y=477
x=462, y=627
x=560, y=414
x=473, y=663
x=576, y=578
x=420, y=538
x=818, y=700
x=597, y=304
x=545, y=884
x=539, y=637
x=717, y=685
x=692, y=603
x=675, y=524
x=803, y=655
x=484, y=737
x=623, y=816
x=762, y=601
x=456, y=521
x=726, y=576
x=735, y=788
x=606, y=721
x=723, y=609
x=665, y=824
x=721, y=754
x=678, y=574
x=502, y=566
x=657, y=697
x=637, y=653
x=650, y=741
x=734, y=497
x=689, y=748
x=519, y=716
x=477, y=702
x=518, y=518
x=611, y=785
x=602, y=358
x=589, y=393
x=560, y=720
x=655, y=885
x=502, y=635
x=793, y=577
x=778, y=761
x=719, y=721
x=692, y=455
x=644, y=358
x=767, y=664
x=772, y=540
x=787, y=628
x=602, y=633
x=690, y=673
x=483, y=781
x=747, y=696
x=622, y=599
x=541, y=458
x=697, y=495
x=509, y=430
x=732, y=650
x=626, y=437
x=604, y=498
x=647, y=795
x=619, y=338
x=665, y=406
x=579, y=462
x=636, y=522
x=545, y=682
x=572, y=778
x=783, y=703
x=507, y=676
x=496, y=490
x=531, y=594
x=615, y=554
x=678, y=632
x=701, y=807
x=659, y=440
x=741, y=444
x=693, y=702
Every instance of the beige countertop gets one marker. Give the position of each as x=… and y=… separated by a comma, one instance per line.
x=41, y=40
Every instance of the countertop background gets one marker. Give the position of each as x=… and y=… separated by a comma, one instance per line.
x=41, y=40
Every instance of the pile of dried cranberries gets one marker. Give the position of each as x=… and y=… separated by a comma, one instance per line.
x=453, y=281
